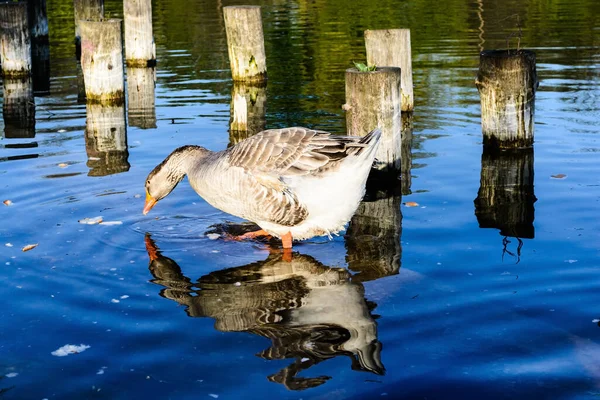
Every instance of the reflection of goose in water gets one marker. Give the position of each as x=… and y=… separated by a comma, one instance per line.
x=309, y=311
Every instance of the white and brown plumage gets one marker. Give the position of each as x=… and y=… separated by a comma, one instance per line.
x=295, y=183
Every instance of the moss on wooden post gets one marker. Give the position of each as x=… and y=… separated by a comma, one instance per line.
x=140, y=50
x=507, y=82
x=18, y=108
x=505, y=198
x=373, y=100
x=102, y=61
x=245, y=43
x=248, y=108
x=391, y=48
x=106, y=139
x=141, y=108
x=15, y=40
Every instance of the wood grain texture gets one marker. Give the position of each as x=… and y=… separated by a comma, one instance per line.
x=15, y=40
x=507, y=82
x=102, y=61
x=391, y=48
x=373, y=100
x=140, y=49
x=245, y=43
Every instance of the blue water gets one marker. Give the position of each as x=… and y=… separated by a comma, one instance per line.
x=470, y=313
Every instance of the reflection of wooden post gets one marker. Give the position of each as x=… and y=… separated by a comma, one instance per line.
x=248, y=107
x=139, y=42
x=245, y=43
x=373, y=237
x=141, y=108
x=80, y=85
x=40, y=57
x=407, y=135
x=106, y=139
x=40, y=48
x=18, y=109
x=102, y=61
x=86, y=10
x=373, y=100
x=38, y=20
x=505, y=198
x=391, y=48
x=15, y=40
x=507, y=82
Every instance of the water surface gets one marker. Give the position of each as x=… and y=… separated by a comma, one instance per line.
x=465, y=295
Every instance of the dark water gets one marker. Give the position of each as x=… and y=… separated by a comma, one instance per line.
x=454, y=298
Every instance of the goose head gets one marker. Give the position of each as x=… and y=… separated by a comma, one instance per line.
x=166, y=175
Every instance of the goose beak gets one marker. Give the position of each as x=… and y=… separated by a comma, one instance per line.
x=150, y=202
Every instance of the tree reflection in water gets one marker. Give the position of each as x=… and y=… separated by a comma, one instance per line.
x=309, y=311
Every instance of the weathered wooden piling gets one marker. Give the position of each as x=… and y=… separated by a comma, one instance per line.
x=15, y=40
x=141, y=85
x=102, y=61
x=506, y=197
x=106, y=139
x=391, y=48
x=84, y=10
x=140, y=50
x=18, y=108
x=373, y=100
x=507, y=82
x=373, y=236
x=245, y=43
x=248, y=109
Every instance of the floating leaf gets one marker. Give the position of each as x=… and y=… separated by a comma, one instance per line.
x=7, y=202
x=558, y=176
x=90, y=221
x=29, y=247
x=63, y=165
x=411, y=204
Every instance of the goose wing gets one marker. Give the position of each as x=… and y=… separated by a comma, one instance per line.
x=273, y=155
x=293, y=151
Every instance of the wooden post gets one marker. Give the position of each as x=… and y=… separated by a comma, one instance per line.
x=248, y=108
x=140, y=50
x=505, y=198
x=84, y=10
x=507, y=82
x=373, y=100
x=106, y=139
x=245, y=43
x=18, y=108
x=102, y=61
x=373, y=236
x=15, y=40
x=141, y=109
x=391, y=48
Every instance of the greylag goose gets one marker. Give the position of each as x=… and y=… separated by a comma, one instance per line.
x=295, y=183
